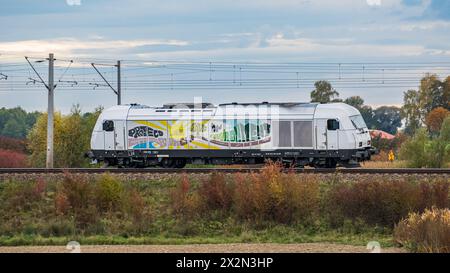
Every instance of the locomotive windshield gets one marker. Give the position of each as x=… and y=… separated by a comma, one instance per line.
x=358, y=122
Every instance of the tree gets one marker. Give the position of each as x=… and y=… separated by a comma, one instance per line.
x=411, y=111
x=355, y=101
x=431, y=94
x=71, y=138
x=446, y=93
x=324, y=93
x=388, y=119
x=37, y=140
x=365, y=110
x=15, y=122
x=435, y=119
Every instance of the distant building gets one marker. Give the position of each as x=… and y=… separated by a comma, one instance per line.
x=381, y=134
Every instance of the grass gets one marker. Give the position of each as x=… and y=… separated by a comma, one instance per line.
x=281, y=235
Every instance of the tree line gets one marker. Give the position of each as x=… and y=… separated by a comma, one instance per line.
x=428, y=106
x=425, y=135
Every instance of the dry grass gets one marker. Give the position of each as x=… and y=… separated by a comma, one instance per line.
x=383, y=164
x=427, y=232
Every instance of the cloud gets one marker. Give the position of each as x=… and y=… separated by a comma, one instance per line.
x=374, y=2
x=291, y=49
x=73, y=2
x=70, y=46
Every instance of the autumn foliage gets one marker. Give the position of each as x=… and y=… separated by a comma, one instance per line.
x=16, y=145
x=12, y=159
x=435, y=119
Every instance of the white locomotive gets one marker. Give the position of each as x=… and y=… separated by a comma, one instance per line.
x=299, y=134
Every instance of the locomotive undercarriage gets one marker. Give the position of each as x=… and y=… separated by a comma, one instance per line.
x=179, y=159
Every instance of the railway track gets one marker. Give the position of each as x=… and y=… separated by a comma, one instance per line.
x=221, y=170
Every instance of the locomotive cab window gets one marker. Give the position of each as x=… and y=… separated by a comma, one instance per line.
x=108, y=125
x=332, y=125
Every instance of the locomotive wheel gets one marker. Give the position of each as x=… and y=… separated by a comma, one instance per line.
x=167, y=163
x=179, y=163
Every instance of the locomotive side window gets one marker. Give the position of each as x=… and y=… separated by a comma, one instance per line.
x=108, y=125
x=332, y=125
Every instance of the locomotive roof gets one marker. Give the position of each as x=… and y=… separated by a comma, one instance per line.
x=284, y=104
x=210, y=105
x=233, y=110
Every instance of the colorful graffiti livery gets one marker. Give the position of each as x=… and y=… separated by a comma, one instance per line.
x=197, y=134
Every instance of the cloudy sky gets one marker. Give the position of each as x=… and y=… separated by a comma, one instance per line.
x=278, y=31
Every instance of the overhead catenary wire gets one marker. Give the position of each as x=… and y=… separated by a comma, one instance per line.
x=154, y=75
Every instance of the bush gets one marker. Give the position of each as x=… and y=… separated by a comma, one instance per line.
x=426, y=232
x=271, y=196
x=215, y=193
x=385, y=203
x=423, y=151
x=77, y=190
x=183, y=201
x=414, y=150
x=11, y=159
x=22, y=196
x=108, y=193
x=276, y=196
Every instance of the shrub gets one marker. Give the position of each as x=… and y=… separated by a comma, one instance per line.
x=23, y=195
x=384, y=202
x=215, y=193
x=183, y=201
x=423, y=151
x=12, y=159
x=276, y=196
x=136, y=205
x=62, y=204
x=77, y=190
x=426, y=232
x=414, y=150
x=108, y=193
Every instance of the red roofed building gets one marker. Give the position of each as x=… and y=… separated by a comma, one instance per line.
x=381, y=134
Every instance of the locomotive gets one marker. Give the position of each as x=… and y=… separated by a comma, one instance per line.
x=173, y=135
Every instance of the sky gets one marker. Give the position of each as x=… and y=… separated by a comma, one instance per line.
x=215, y=31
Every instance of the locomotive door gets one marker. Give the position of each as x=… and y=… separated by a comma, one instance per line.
x=109, y=135
x=327, y=134
x=119, y=135
x=321, y=134
x=332, y=134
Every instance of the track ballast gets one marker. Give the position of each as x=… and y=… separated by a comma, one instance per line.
x=219, y=170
